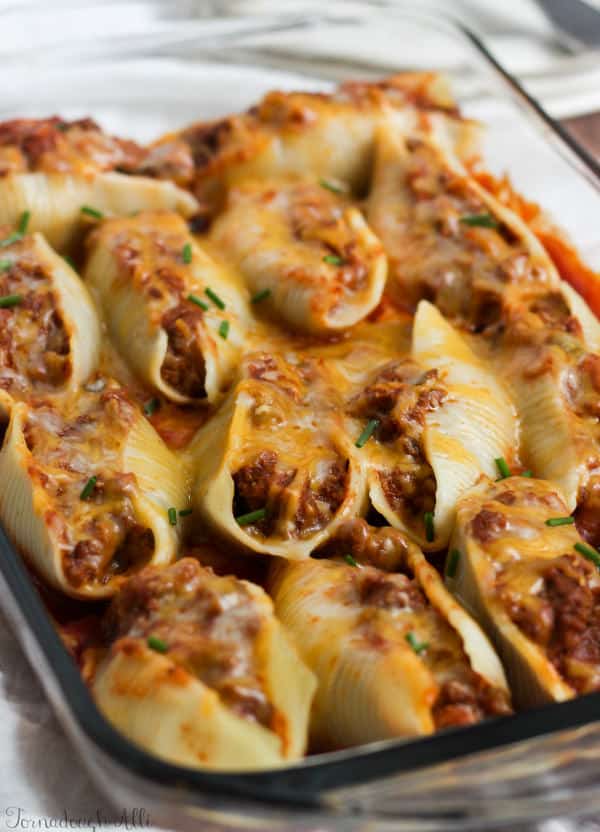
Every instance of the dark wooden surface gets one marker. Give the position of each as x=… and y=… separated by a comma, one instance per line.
x=586, y=129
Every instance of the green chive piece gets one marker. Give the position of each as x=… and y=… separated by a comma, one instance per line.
x=185, y=512
x=10, y=300
x=560, y=521
x=260, y=296
x=417, y=646
x=5, y=265
x=452, y=563
x=151, y=406
x=215, y=298
x=367, y=433
x=70, y=261
x=502, y=467
x=88, y=488
x=527, y=473
x=588, y=552
x=334, y=260
x=224, y=329
x=172, y=514
x=251, y=517
x=198, y=301
x=12, y=238
x=331, y=186
x=350, y=560
x=24, y=222
x=480, y=220
x=187, y=253
x=92, y=212
x=429, y=528
x=157, y=644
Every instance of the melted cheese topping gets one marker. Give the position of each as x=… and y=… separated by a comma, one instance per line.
x=97, y=532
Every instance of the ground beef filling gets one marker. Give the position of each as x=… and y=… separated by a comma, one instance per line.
x=184, y=367
x=563, y=618
x=385, y=547
x=468, y=701
x=266, y=484
x=111, y=541
x=399, y=592
x=399, y=398
x=209, y=626
x=34, y=344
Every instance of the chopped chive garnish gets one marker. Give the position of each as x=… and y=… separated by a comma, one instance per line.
x=215, y=298
x=198, y=301
x=251, y=517
x=185, y=512
x=151, y=406
x=92, y=212
x=480, y=220
x=331, y=186
x=417, y=646
x=24, y=222
x=429, y=528
x=260, y=296
x=452, y=563
x=88, y=488
x=527, y=473
x=172, y=514
x=502, y=466
x=5, y=265
x=588, y=552
x=350, y=560
x=10, y=300
x=157, y=644
x=333, y=260
x=187, y=253
x=96, y=386
x=224, y=329
x=560, y=521
x=367, y=433
x=12, y=238
x=70, y=261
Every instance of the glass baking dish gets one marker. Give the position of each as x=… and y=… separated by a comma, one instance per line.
x=163, y=67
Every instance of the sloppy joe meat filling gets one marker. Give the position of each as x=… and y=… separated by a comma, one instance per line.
x=34, y=343
x=76, y=462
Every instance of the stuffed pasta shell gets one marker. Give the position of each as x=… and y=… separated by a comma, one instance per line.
x=393, y=653
x=450, y=241
x=533, y=585
x=432, y=424
x=88, y=490
x=201, y=673
x=331, y=135
x=306, y=249
x=173, y=312
x=49, y=330
x=55, y=168
x=275, y=471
